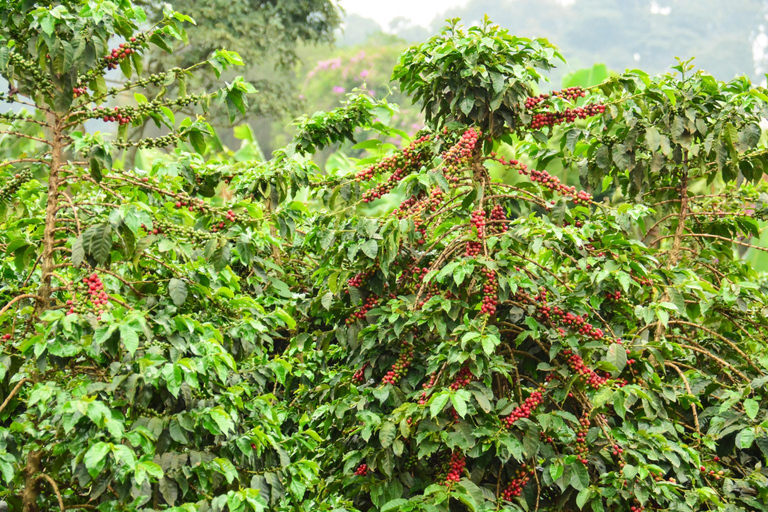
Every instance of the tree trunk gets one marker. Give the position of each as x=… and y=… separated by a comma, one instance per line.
x=31, y=482
x=49, y=233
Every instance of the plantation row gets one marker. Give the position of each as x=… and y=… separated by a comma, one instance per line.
x=453, y=323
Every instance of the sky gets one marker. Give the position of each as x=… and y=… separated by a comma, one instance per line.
x=419, y=12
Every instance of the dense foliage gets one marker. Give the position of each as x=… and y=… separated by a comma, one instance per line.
x=139, y=305
x=448, y=325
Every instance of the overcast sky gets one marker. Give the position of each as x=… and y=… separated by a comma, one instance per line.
x=420, y=12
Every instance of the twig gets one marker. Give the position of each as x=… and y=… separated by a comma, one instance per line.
x=13, y=392
x=693, y=405
x=55, y=488
x=18, y=298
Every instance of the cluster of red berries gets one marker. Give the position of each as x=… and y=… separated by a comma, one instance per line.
x=359, y=375
x=79, y=91
x=216, y=226
x=576, y=223
x=96, y=295
x=113, y=116
x=358, y=279
x=637, y=507
x=642, y=281
x=714, y=474
x=156, y=229
x=416, y=204
x=490, y=292
x=525, y=410
x=591, y=377
x=568, y=115
x=431, y=292
x=425, y=387
x=402, y=210
x=458, y=463
x=462, y=379
x=411, y=159
x=555, y=314
x=582, y=450
x=615, y=296
x=368, y=305
x=497, y=213
x=569, y=94
x=385, y=188
x=421, y=235
x=515, y=486
x=400, y=368
x=112, y=59
x=408, y=161
x=617, y=450
x=7, y=336
x=553, y=183
x=472, y=249
x=362, y=470
x=461, y=152
x=411, y=277
x=478, y=220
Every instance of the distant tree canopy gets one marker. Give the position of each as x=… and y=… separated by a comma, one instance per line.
x=720, y=34
x=267, y=34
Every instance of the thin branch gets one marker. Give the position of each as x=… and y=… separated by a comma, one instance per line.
x=718, y=237
x=23, y=135
x=55, y=488
x=18, y=298
x=688, y=389
x=721, y=338
x=13, y=392
x=6, y=163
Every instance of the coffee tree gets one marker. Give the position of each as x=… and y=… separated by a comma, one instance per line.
x=140, y=307
x=459, y=324
x=503, y=339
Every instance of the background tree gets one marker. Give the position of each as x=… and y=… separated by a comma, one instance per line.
x=267, y=35
x=140, y=306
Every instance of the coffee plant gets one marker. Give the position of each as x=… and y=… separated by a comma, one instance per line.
x=539, y=302
x=509, y=339
x=140, y=308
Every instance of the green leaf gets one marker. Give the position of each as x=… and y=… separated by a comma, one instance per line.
x=95, y=458
x=97, y=241
x=393, y=505
x=387, y=434
x=579, y=476
x=6, y=467
x=751, y=407
x=438, y=403
x=617, y=356
x=459, y=403
x=145, y=468
x=226, y=468
x=745, y=438
x=556, y=471
x=652, y=138
x=582, y=497
x=197, y=140
x=370, y=248
x=78, y=252
x=129, y=338
x=177, y=289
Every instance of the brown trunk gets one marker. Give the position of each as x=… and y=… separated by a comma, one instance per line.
x=31, y=482
x=674, y=254
x=49, y=233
